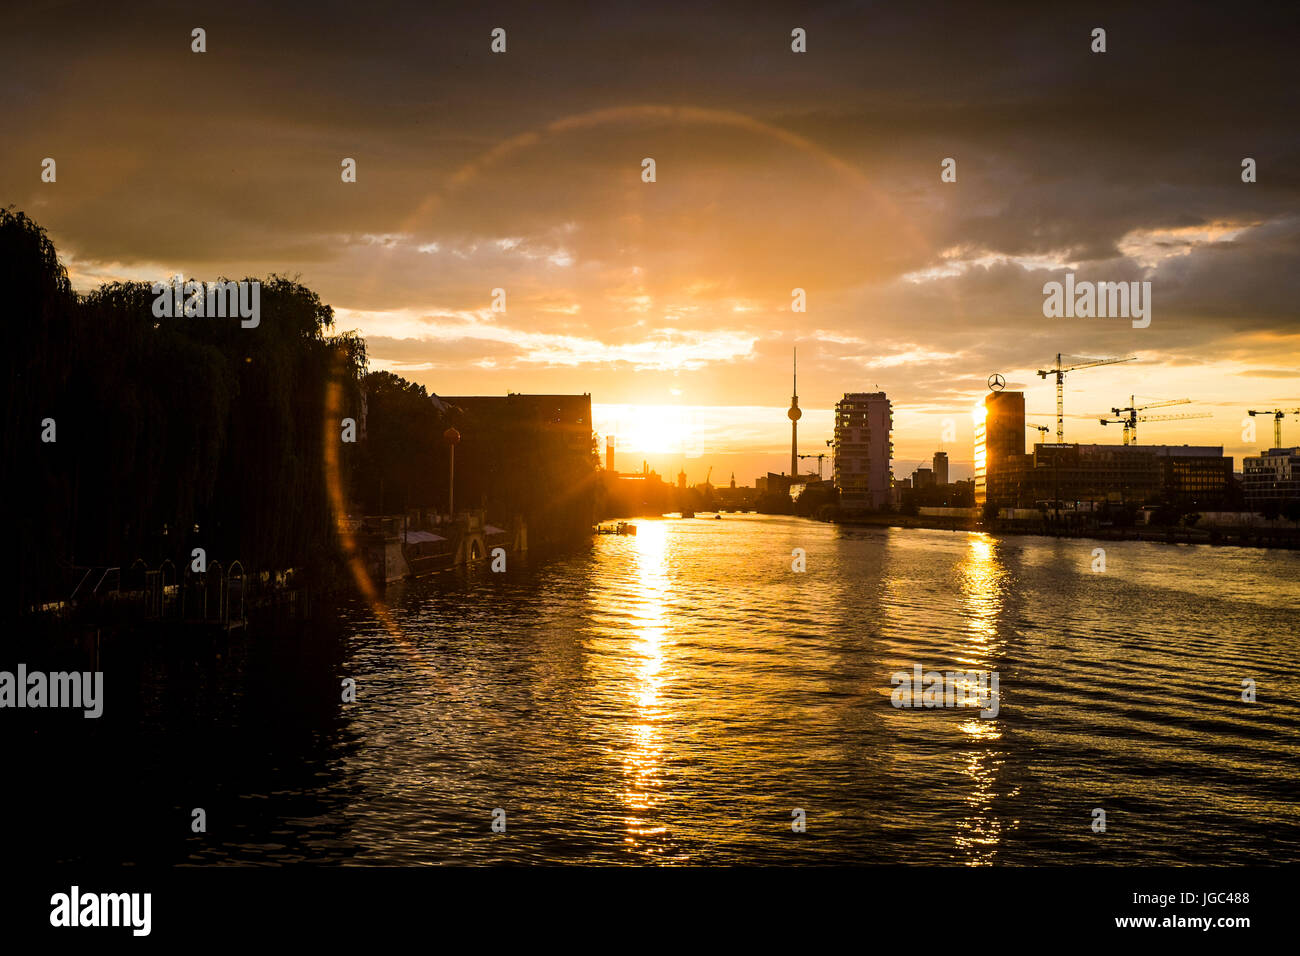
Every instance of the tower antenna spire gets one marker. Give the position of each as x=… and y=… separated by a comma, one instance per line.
x=794, y=415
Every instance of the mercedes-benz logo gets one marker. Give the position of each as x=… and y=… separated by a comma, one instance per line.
x=996, y=382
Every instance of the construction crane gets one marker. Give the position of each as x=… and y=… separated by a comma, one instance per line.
x=1042, y=429
x=1059, y=371
x=1278, y=414
x=1130, y=423
x=1130, y=415
x=820, y=458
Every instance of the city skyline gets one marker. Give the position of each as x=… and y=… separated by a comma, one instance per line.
x=710, y=432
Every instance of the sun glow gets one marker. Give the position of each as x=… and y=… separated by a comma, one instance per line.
x=655, y=429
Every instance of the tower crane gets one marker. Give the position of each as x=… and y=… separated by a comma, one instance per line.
x=1042, y=429
x=1130, y=423
x=1278, y=414
x=1059, y=371
x=1130, y=415
x=820, y=458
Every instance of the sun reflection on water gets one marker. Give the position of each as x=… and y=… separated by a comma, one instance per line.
x=980, y=834
x=981, y=589
x=648, y=614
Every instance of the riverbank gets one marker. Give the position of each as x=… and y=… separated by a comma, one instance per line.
x=1283, y=538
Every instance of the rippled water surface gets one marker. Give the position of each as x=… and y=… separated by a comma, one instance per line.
x=673, y=696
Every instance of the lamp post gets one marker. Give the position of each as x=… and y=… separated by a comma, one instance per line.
x=452, y=437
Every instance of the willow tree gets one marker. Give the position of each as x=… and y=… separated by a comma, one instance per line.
x=170, y=433
x=38, y=303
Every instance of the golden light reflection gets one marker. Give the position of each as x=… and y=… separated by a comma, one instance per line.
x=649, y=616
x=981, y=589
x=980, y=833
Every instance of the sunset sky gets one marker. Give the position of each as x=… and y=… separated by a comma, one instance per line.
x=775, y=170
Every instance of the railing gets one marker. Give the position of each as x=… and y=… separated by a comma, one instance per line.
x=93, y=581
x=217, y=594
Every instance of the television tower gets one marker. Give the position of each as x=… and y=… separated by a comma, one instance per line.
x=795, y=414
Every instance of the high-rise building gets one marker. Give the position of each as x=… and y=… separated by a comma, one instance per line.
x=999, y=445
x=863, y=450
x=1271, y=477
x=940, y=467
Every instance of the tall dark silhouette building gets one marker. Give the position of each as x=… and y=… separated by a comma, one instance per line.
x=941, y=468
x=999, y=445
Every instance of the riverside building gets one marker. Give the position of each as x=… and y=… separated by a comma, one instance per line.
x=863, y=448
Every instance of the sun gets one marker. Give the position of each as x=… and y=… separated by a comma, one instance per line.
x=652, y=429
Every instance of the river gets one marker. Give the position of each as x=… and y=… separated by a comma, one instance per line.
x=678, y=695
